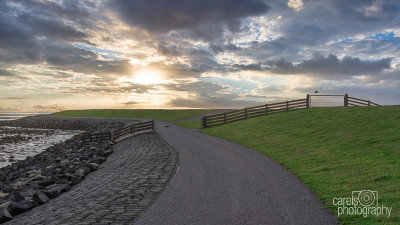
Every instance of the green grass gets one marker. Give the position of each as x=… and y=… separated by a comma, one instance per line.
x=193, y=124
x=333, y=150
x=160, y=114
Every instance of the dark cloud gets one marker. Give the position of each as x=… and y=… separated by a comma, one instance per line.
x=168, y=50
x=331, y=66
x=205, y=19
x=337, y=18
x=254, y=66
x=5, y=73
x=221, y=48
x=78, y=60
x=70, y=9
x=50, y=28
x=130, y=103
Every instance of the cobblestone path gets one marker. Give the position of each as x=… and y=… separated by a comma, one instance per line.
x=123, y=187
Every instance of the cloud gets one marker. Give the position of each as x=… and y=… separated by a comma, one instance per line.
x=331, y=66
x=51, y=28
x=206, y=101
x=49, y=107
x=130, y=103
x=199, y=87
x=5, y=73
x=14, y=98
x=297, y=5
x=202, y=19
x=66, y=57
x=336, y=19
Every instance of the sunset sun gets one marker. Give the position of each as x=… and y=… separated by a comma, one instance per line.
x=145, y=77
x=148, y=77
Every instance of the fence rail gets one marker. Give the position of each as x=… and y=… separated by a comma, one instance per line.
x=116, y=135
x=261, y=110
x=360, y=102
x=255, y=111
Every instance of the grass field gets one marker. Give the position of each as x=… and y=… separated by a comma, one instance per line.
x=160, y=114
x=192, y=124
x=333, y=150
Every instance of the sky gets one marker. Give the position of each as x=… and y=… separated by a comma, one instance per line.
x=84, y=54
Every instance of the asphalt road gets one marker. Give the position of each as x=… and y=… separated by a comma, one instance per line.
x=220, y=182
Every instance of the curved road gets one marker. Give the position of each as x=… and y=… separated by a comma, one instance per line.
x=220, y=182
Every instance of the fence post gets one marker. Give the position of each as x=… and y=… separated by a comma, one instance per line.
x=245, y=112
x=287, y=105
x=369, y=102
x=134, y=127
x=204, y=122
x=112, y=135
x=346, y=100
x=266, y=108
x=224, y=117
x=154, y=124
x=308, y=101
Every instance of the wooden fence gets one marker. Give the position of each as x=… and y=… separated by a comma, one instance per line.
x=218, y=119
x=261, y=110
x=351, y=101
x=116, y=135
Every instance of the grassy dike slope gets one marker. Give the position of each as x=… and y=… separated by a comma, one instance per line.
x=333, y=150
x=160, y=114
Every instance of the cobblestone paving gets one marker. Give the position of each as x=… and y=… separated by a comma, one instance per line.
x=123, y=187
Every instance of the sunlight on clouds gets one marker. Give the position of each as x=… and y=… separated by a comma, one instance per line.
x=261, y=28
x=297, y=5
x=145, y=77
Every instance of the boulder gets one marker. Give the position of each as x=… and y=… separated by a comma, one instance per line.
x=14, y=196
x=40, y=197
x=4, y=215
x=56, y=189
x=93, y=166
x=21, y=206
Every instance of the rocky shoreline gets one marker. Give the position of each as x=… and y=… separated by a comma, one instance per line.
x=35, y=180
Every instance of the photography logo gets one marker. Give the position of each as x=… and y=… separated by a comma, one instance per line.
x=363, y=203
x=366, y=197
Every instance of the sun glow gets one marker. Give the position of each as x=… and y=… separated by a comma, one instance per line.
x=145, y=77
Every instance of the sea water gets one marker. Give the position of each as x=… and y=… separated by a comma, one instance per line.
x=17, y=143
x=17, y=115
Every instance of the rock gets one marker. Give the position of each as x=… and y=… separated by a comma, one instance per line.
x=21, y=206
x=56, y=189
x=86, y=169
x=40, y=197
x=80, y=172
x=14, y=196
x=65, y=161
x=4, y=215
x=75, y=179
x=27, y=193
x=94, y=166
x=7, y=205
x=33, y=181
x=2, y=195
x=46, y=182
